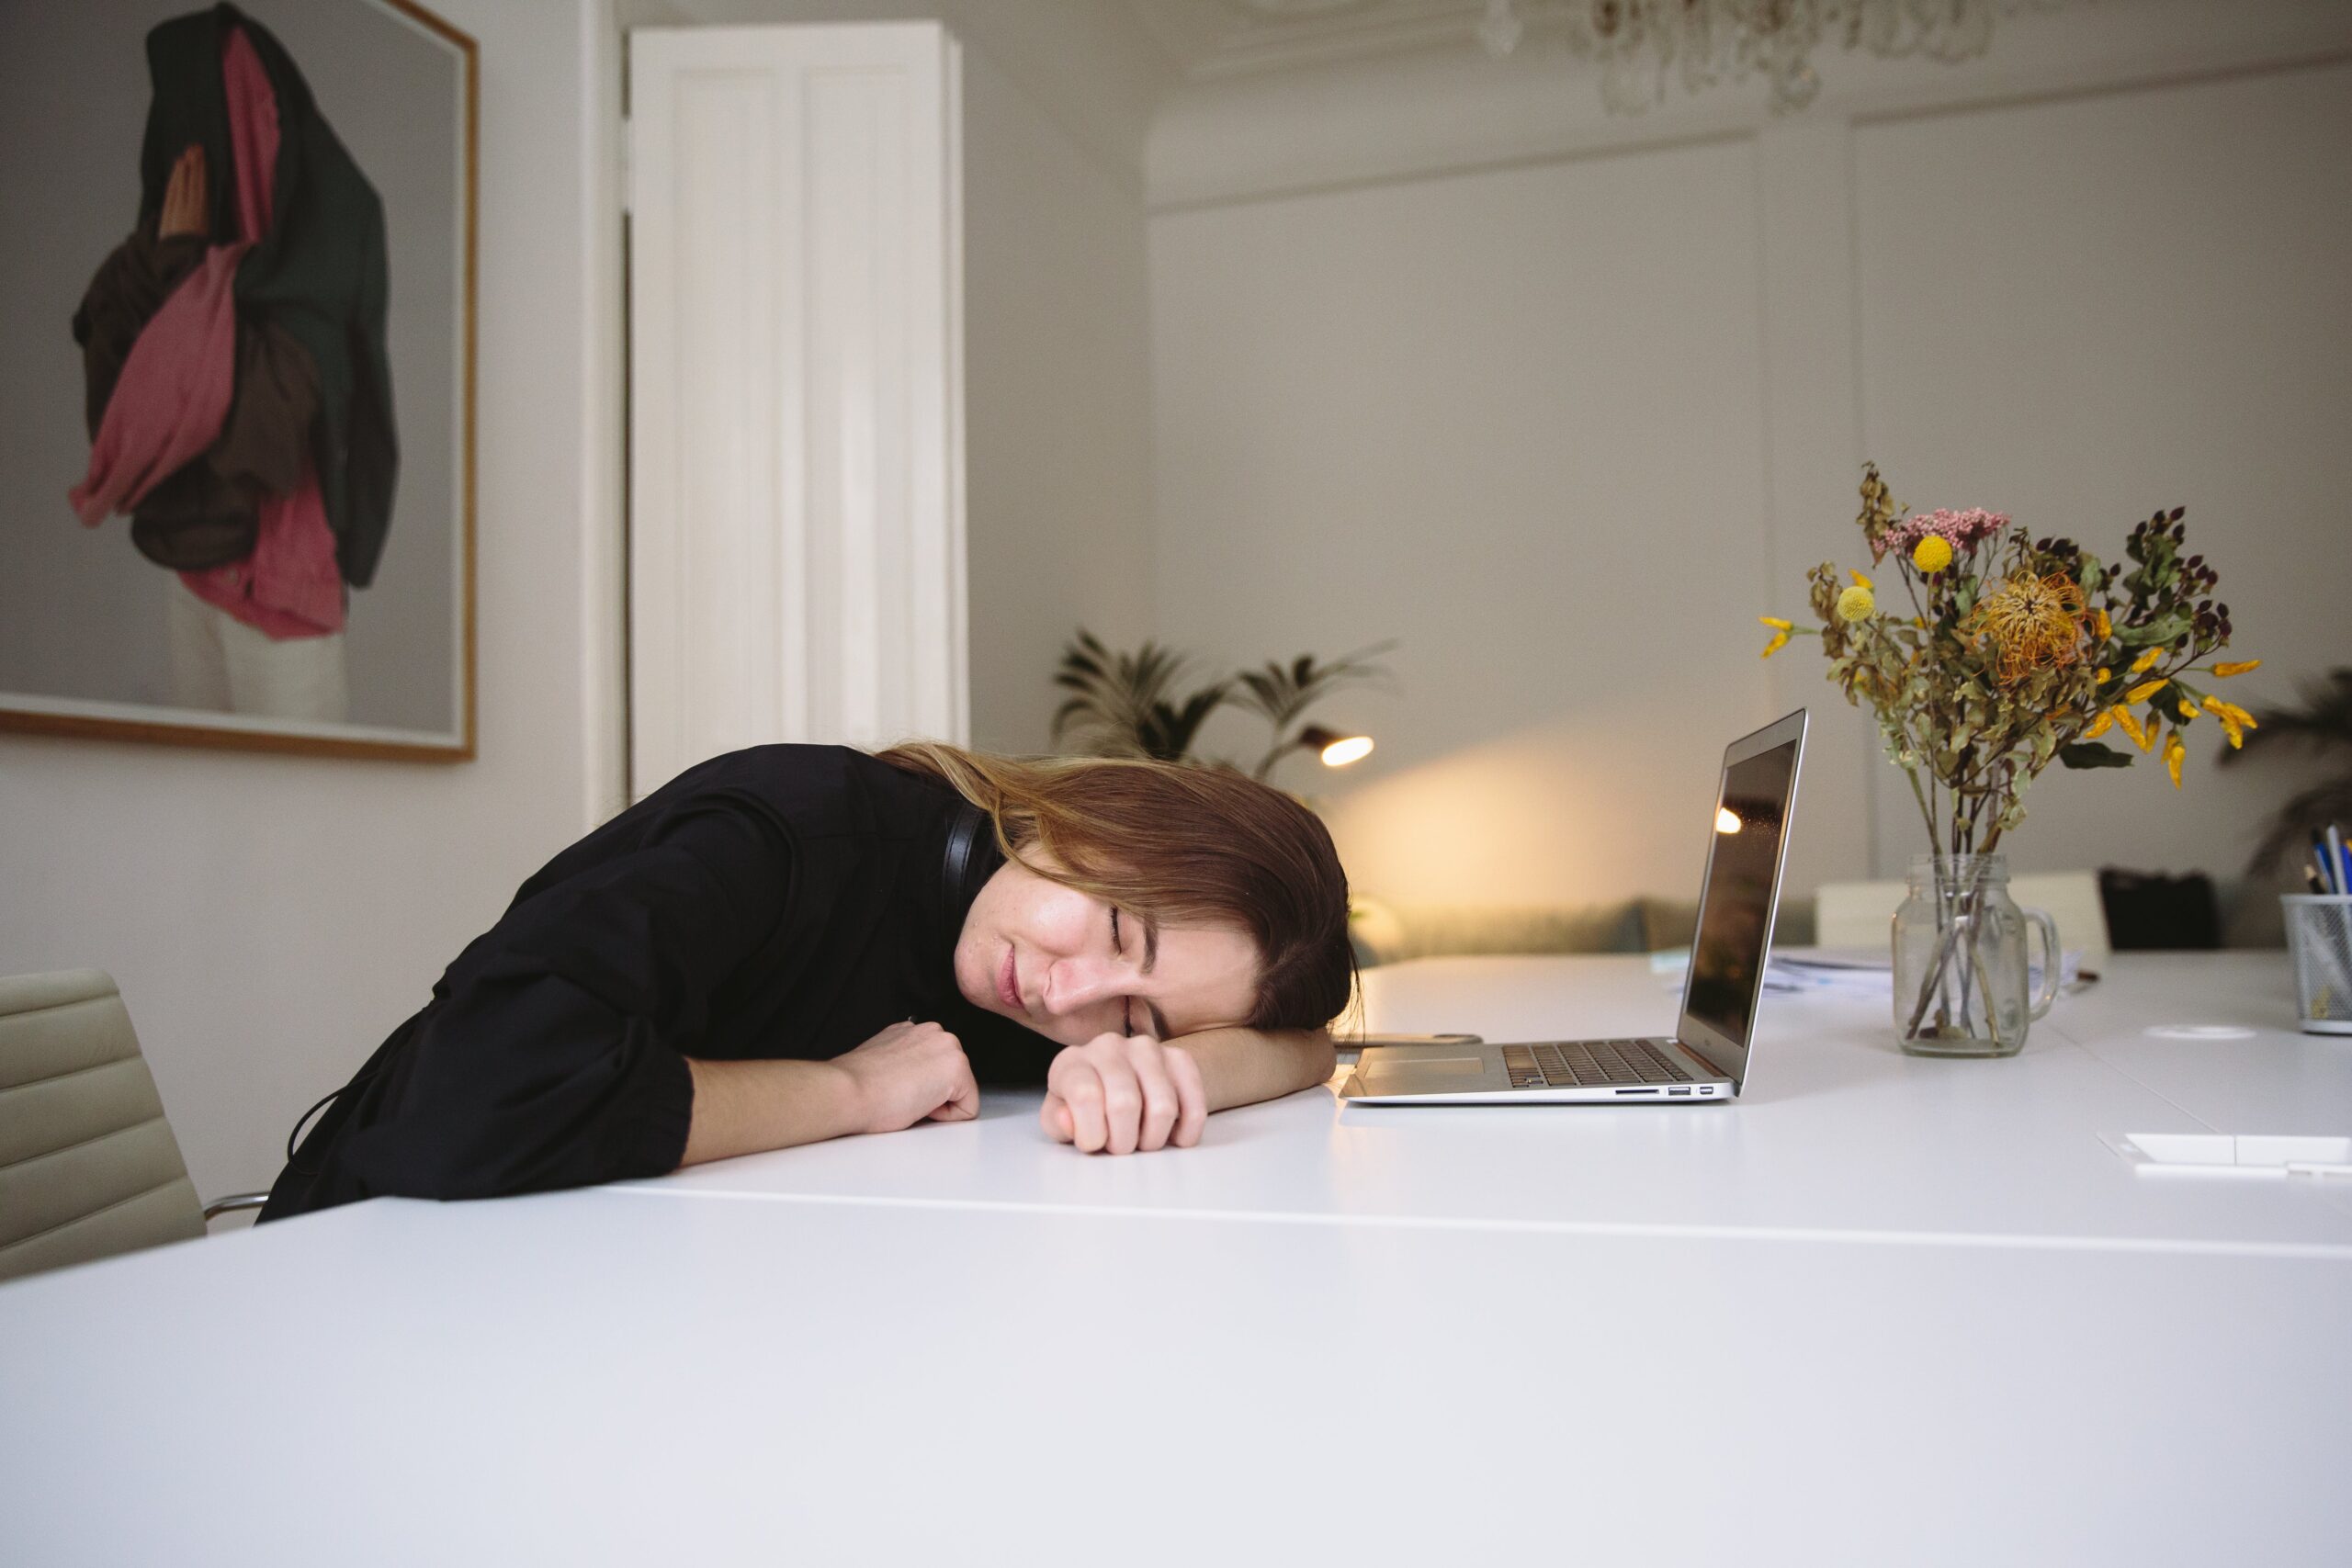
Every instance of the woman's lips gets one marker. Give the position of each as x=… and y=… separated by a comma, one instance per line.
x=1008, y=983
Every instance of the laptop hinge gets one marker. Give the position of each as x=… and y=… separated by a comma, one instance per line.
x=1702, y=1057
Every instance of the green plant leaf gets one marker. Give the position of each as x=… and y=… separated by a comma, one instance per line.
x=2092, y=754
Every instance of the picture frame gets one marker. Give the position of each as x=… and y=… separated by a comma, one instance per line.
x=240, y=415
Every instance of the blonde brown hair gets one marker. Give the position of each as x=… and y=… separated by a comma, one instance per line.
x=1176, y=844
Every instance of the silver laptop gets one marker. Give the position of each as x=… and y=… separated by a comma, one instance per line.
x=1707, y=1056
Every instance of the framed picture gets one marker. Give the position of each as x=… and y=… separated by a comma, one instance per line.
x=237, y=408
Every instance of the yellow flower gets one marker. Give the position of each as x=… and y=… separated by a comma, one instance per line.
x=2174, y=752
x=2144, y=690
x=2238, y=668
x=2234, y=719
x=2146, y=661
x=1859, y=580
x=2187, y=710
x=1776, y=622
x=1857, y=604
x=2103, y=677
x=1780, y=641
x=2036, y=622
x=2143, y=739
x=2102, y=625
x=2100, y=726
x=1933, y=554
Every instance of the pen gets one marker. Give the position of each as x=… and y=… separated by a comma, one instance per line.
x=2326, y=863
x=2335, y=861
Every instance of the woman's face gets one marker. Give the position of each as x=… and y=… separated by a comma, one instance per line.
x=1070, y=966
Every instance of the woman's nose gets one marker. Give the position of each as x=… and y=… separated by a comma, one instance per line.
x=1077, y=982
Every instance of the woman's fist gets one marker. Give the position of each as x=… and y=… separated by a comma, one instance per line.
x=1123, y=1093
x=908, y=1072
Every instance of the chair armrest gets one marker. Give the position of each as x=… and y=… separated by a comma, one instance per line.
x=233, y=1203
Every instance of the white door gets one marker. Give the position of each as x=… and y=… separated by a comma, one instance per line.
x=797, y=565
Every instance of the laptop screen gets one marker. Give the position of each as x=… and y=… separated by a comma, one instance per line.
x=1735, y=906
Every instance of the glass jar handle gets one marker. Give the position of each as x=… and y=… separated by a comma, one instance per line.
x=2054, y=961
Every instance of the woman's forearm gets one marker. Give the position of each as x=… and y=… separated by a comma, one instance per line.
x=1241, y=1066
x=742, y=1107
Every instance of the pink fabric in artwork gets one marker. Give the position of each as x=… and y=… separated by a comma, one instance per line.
x=174, y=391
x=291, y=586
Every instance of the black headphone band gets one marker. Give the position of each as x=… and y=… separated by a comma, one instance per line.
x=963, y=838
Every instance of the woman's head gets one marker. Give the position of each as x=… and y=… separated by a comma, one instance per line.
x=1147, y=896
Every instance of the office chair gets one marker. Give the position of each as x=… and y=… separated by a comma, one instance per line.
x=88, y=1166
x=1860, y=914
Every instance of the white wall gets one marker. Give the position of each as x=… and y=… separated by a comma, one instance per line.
x=1510, y=420
x=271, y=919
x=1058, y=403
x=1565, y=404
x=2082, y=309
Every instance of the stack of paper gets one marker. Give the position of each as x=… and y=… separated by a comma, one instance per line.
x=1852, y=972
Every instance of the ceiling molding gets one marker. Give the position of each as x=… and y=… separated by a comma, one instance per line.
x=1227, y=136
x=1204, y=40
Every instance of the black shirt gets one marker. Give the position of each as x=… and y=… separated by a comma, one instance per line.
x=785, y=901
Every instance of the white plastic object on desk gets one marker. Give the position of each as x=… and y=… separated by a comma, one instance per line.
x=2225, y=1154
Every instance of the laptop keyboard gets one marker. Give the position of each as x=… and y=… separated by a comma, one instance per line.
x=1576, y=1064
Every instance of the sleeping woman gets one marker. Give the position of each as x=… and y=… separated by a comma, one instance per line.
x=791, y=943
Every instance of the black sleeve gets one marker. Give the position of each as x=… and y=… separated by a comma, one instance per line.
x=549, y=1058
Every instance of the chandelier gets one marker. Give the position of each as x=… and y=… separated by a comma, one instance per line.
x=1641, y=42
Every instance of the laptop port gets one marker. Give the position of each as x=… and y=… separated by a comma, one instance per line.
x=1637, y=1091
x=1678, y=1091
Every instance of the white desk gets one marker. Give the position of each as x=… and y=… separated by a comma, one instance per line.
x=597, y=1377
x=1838, y=1135
x=2274, y=1079
x=1880, y=1311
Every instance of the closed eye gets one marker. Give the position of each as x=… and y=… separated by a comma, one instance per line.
x=1126, y=1006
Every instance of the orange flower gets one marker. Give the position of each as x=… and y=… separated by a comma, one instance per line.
x=2036, y=622
x=2235, y=721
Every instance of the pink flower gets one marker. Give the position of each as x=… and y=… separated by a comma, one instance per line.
x=1958, y=529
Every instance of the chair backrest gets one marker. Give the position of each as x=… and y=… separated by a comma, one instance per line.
x=1856, y=914
x=88, y=1166
x=2072, y=897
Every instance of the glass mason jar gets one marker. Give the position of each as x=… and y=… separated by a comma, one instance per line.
x=1960, y=960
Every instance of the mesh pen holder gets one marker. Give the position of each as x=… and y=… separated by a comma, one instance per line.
x=2318, y=941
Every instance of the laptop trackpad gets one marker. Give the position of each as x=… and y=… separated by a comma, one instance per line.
x=1420, y=1073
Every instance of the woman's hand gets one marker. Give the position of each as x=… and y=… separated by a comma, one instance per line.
x=1120, y=1093
x=908, y=1073
x=185, y=209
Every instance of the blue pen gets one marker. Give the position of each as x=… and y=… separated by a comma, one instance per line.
x=2328, y=863
x=2336, y=864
